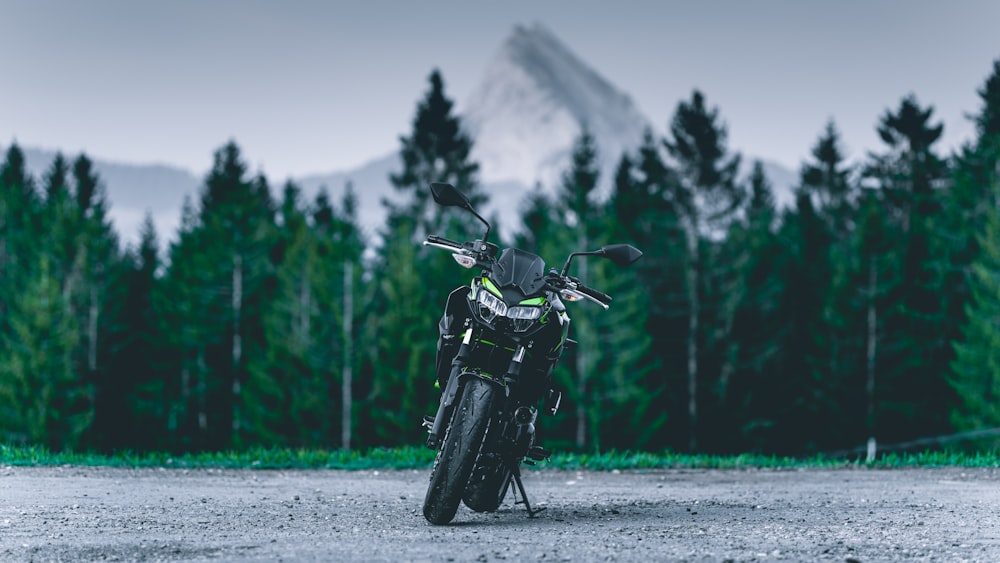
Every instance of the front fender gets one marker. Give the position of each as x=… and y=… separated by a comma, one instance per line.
x=451, y=391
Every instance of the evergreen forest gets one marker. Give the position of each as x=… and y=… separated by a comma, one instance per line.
x=869, y=308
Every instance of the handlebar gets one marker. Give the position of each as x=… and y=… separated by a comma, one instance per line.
x=554, y=280
x=557, y=282
x=434, y=239
x=602, y=297
x=589, y=292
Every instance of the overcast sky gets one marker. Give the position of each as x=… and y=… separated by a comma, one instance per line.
x=315, y=86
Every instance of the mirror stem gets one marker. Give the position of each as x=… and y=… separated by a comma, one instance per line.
x=486, y=237
x=565, y=269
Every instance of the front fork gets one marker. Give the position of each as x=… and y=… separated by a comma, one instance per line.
x=450, y=391
x=523, y=417
x=454, y=378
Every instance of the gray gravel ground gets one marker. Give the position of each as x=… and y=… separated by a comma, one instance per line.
x=103, y=514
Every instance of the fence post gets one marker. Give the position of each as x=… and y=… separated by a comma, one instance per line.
x=871, y=450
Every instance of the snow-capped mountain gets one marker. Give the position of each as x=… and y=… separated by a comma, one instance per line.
x=532, y=104
x=535, y=97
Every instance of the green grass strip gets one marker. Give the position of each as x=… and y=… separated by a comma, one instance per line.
x=418, y=457
x=253, y=458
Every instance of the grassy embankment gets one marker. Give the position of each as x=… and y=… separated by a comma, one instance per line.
x=412, y=457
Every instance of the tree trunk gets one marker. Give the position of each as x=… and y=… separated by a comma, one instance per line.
x=92, y=330
x=202, y=393
x=870, y=347
x=348, y=373
x=692, y=343
x=178, y=415
x=92, y=317
x=305, y=304
x=237, y=341
x=733, y=296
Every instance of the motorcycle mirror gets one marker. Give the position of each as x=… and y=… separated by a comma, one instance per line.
x=446, y=195
x=621, y=254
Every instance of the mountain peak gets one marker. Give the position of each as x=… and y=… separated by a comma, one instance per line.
x=534, y=100
x=556, y=69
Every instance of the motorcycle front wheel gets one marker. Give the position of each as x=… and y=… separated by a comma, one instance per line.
x=462, y=444
x=487, y=487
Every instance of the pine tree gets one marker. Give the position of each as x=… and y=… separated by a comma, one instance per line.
x=976, y=367
x=708, y=198
x=20, y=259
x=406, y=343
x=917, y=355
x=620, y=396
x=55, y=181
x=287, y=390
x=98, y=265
x=136, y=379
x=214, y=290
x=603, y=375
x=44, y=329
x=908, y=172
x=746, y=407
x=413, y=282
x=20, y=209
x=966, y=250
x=19, y=224
x=178, y=309
x=44, y=401
x=538, y=217
x=350, y=245
x=988, y=120
x=874, y=277
x=575, y=194
x=827, y=180
x=437, y=150
x=300, y=379
x=646, y=215
x=816, y=302
x=804, y=370
x=61, y=232
x=967, y=205
x=622, y=366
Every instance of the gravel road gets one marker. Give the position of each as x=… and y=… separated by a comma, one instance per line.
x=103, y=514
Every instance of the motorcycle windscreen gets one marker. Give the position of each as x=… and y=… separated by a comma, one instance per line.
x=519, y=269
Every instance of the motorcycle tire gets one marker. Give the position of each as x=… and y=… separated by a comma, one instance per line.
x=460, y=448
x=487, y=487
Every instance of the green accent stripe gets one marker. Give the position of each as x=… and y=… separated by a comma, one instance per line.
x=493, y=289
x=533, y=301
x=493, y=344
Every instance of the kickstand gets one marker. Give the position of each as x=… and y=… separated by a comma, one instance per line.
x=516, y=474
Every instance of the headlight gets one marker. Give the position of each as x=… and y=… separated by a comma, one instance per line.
x=491, y=306
x=523, y=317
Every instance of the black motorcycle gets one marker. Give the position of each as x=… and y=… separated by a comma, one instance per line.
x=500, y=338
